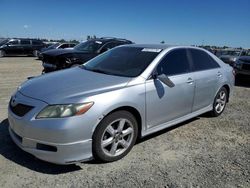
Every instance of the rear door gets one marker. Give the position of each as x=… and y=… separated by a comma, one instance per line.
x=26, y=46
x=207, y=75
x=163, y=103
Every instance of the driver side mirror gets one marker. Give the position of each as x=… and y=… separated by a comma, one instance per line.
x=164, y=79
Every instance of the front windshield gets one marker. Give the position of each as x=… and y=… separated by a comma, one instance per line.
x=231, y=53
x=89, y=46
x=53, y=46
x=123, y=61
x=3, y=42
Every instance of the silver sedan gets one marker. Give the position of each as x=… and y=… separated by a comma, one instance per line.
x=99, y=109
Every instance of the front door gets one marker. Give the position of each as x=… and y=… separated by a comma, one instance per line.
x=163, y=103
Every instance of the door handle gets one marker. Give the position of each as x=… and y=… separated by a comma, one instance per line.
x=219, y=74
x=190, y=80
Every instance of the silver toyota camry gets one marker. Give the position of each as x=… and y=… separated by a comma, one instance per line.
x=99, y=109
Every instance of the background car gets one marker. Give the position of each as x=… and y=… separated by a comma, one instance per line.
x=64, y=58
x=242, y=64
x=20, y=47
x=56, y=46
x=100, y=108
x=229, y=56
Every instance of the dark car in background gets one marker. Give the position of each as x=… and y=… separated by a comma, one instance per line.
x=57, y=45
x=230, y=56
x=242, y=64
x=58, y=59
x=20, y=47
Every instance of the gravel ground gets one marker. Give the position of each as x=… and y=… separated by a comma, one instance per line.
x=203, y=152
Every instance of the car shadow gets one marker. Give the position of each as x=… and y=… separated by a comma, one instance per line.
x=158, y=133
x=242, y=81
x=154, y=135
x=12, y=152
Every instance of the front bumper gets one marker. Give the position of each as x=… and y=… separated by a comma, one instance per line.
x=49, y=67
x=68, y=153
x=60, y=141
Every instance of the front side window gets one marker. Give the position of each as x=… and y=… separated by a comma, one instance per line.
x=64, y=46
x=174, y=63
x=202, y=60
x=89, y=46
x=123, y=61
x=13, y=42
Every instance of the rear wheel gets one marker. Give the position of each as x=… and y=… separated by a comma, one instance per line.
x=115, y=136
x=220, y=102
x=2, y=53
x=35, y=53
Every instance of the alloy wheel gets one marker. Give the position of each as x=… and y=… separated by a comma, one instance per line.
x=117, y=137
x=220, y=101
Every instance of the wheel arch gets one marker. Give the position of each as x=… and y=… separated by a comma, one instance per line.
x=228, y=91
x=134, y=112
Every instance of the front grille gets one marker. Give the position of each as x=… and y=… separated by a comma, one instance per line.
x=20, y=109
x=246, y=67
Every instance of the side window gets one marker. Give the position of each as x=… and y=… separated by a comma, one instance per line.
x=64, y=46
x=107, y=47
x=25, y=41
x=110, y=45
x=202, y=61
x=13, y=42
x=36, y=42
x=175, y=62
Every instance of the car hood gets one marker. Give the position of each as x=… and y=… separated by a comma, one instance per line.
x=56, y=52
x=246, y=59
x=227, y=57
x=71, y=85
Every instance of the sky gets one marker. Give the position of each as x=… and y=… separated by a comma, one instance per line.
x=183, y=22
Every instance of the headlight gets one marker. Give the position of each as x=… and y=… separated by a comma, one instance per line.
x=64, y=110
x=234, y=59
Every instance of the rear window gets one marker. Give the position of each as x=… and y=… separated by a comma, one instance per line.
x=202, y=61
x=123, y=61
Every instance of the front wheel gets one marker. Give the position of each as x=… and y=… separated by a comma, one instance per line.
x=2, y=53
x=220, y=102
x=115, y=136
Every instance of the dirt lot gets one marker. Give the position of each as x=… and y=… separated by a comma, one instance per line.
x=203, y=152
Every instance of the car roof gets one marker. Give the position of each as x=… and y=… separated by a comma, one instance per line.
x=162, y=46
x=157, y=46
x=109, y=39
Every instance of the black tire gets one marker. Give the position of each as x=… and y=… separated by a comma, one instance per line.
x=214, y=112
x=2, y=53
x=100, y=130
